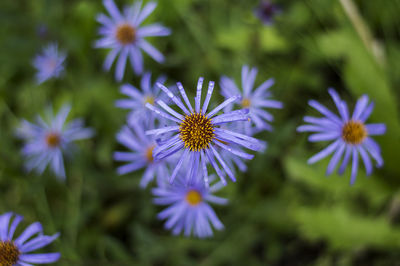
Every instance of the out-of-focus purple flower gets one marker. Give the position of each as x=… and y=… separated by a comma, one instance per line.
x=122, y=33
x=256, y=100
x=198, y=134
x=232, y=160
x=350, y=135
x=189, y=210
x=141, y=154
x=42, y=31
x=49, y=138
x=138, y=98
x=267, y=11
x=18, y=251
x=49, y=64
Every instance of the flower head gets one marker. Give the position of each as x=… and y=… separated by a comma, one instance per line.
x=256, y=100
x=141, y=154
x=49, y=64
x=138, y=98
x=188, y=209
x=351, y=136
x=17, y=251
x=123, y=34
x=198, y=133
x=48, y=139
x=267, y=11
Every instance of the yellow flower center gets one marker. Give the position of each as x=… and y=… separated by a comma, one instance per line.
x=126, y=34
x=149, y=99
x=149, y=154
x=196, y=131
x=53, y=140
x=246, y=103
x=354, y=132
x=193, y=197
x=9, y=253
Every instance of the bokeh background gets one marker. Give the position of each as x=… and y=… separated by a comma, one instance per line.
x=282, y=211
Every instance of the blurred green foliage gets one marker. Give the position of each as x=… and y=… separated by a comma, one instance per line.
x=282, y=211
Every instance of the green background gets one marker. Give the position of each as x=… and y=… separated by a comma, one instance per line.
x=282, y=211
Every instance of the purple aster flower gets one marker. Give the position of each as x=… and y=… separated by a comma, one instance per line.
x=141, y=154
x=122, y=33
x=49, y=64
x=266, y=12
x=350, y=135
x=18, y=251
x=138, y=99
x=199, y=135
x=47, y=140
x=256, y=100
x=188, y=210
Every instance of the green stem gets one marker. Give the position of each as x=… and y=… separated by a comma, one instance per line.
x=363, y=31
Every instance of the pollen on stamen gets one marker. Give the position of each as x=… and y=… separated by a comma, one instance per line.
x=9, y=253
x=125, y=34
x=354, y=132
x=193, y=197
x=53, y=140
x=196, y=131
x=149, y=154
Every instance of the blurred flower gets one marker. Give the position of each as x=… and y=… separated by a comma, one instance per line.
x=16, y=252
x=47, y=140
x=138, y=98
x=42, y=31
x=197, y=133
x=49, y=63
x=256, y=101
x=350, y=134
x=266, y=12
x=121, y=33
x=189, y=210
x=141, y=155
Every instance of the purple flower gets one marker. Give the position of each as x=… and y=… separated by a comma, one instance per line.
x=48, y=139
x=199, y=134
x=141, y=154
x=122, y=33
x=256, y=100
x=17, y=252
x=188, y=210
x=350, y=135
x=138, y=98
x=266, y=12
x=49, y=64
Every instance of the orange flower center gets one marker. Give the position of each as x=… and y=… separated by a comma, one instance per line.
x=196, y=131
x=193, y=197
x=149, y=154
x=126, y=34
x=354, y=132
x=9, y=253
x=53, y=140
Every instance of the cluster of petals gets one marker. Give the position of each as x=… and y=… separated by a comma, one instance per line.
x=50, y=137
x=128, y=22
x=350, y=135
x=17, y=251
